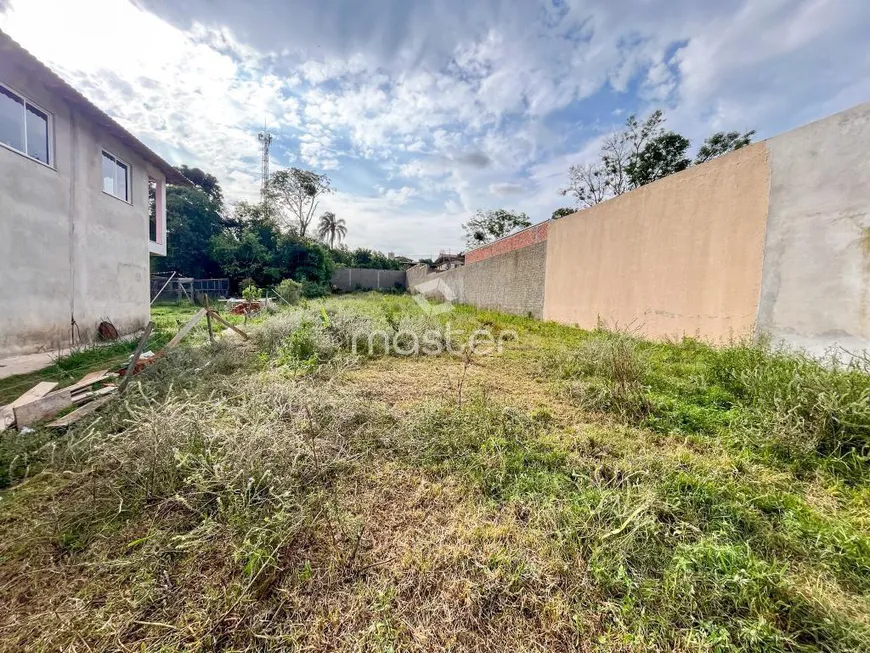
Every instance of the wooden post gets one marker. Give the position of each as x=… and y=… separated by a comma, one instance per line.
x=229, y=326
x=135, y=359
x=208, y=319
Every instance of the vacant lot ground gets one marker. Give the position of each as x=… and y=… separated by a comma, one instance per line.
x=580, y=491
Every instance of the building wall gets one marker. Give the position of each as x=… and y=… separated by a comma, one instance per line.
x=681, y=256
x=534, y=234
x=511, y=283
x=68, y=250
x=348, y=279
x=816, y=282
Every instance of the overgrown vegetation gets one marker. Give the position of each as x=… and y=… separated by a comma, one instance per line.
x=582, y=491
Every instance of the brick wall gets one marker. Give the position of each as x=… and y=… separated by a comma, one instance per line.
x=530, y=236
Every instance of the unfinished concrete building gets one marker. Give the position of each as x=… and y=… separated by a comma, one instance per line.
x=82, y=208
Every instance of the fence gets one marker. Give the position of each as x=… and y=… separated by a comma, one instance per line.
x=174, y=288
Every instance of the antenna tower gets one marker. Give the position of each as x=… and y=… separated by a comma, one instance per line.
x=266, y=139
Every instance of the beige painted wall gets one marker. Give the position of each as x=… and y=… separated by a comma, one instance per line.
x=682, y=256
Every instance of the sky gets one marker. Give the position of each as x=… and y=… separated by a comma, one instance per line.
x=423, y=111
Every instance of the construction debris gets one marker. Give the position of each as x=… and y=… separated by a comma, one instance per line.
x=7, y=413
x=43, y=401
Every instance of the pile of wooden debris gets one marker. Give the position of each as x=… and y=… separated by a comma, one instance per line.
x=43, y=401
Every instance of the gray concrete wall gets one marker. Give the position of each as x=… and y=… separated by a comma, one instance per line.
x=349, y=279
x=815, y=290
x=68, y=250
x=510, y=283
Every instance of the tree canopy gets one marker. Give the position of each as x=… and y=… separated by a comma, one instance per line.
x=294, y=194
x=489, y=225
x=641, y=153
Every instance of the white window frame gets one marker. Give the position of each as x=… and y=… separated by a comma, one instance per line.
x=50, y=124
x=117, y=159
x=158, y=246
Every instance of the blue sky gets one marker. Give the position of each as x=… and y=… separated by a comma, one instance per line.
x=422, y=111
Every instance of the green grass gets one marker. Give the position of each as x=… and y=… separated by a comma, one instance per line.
x=583, y=491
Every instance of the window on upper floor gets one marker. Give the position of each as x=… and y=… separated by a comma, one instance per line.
x=116, y=177
x=24, y=127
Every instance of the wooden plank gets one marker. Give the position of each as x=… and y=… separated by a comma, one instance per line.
x=77, y=414
x=7, y=413
x=136, y=354
x=41, y=409
x=89, y=380
x=84, y=397
x=208, y=318
x=186, y=328
x=228, y=325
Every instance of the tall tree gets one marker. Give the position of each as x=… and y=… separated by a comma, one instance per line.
x=205, y=182
x=490, y=225
x=721, y=143
x=296, y=193
x=331, y=228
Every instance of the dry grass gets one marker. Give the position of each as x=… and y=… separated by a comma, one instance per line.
x=288, y=495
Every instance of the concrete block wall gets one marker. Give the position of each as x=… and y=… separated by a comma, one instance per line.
x=771, y=239
x=815, y=288
x=512, y=282
x=349, y=279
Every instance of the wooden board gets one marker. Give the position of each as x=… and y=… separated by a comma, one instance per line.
x=186, y=328
x=76, y=415
x=135, y=357
x=7, y=413
x=83, y=397
x=41, y=409
x=90, y=379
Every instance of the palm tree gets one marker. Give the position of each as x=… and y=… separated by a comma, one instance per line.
x=331, y=228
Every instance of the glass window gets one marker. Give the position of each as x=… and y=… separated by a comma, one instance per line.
x=116, y=177
x=11, y=120
x=37, y=133
x=152, y=210
x=108, y=173
x=24, y=126
x=121, y=181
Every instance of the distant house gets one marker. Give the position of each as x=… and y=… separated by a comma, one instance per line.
x=82, y=208
x=446, y=261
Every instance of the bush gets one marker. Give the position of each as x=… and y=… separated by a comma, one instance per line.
x=312, y=289
x=251, y=293
x=290, y=291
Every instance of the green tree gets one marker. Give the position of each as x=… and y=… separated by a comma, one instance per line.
x=639, y=154
x=721, y=143
x=246, y=249
x=295, y=193
x=561, y=213
x=331, y=228
x=489, y=225
x=205, y=182
x=661, y=156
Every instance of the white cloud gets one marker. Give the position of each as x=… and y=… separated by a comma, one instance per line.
x=430, y=110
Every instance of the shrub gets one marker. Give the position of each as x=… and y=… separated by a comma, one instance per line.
x=251, y=293
x=290, y=291
x=312, y=289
